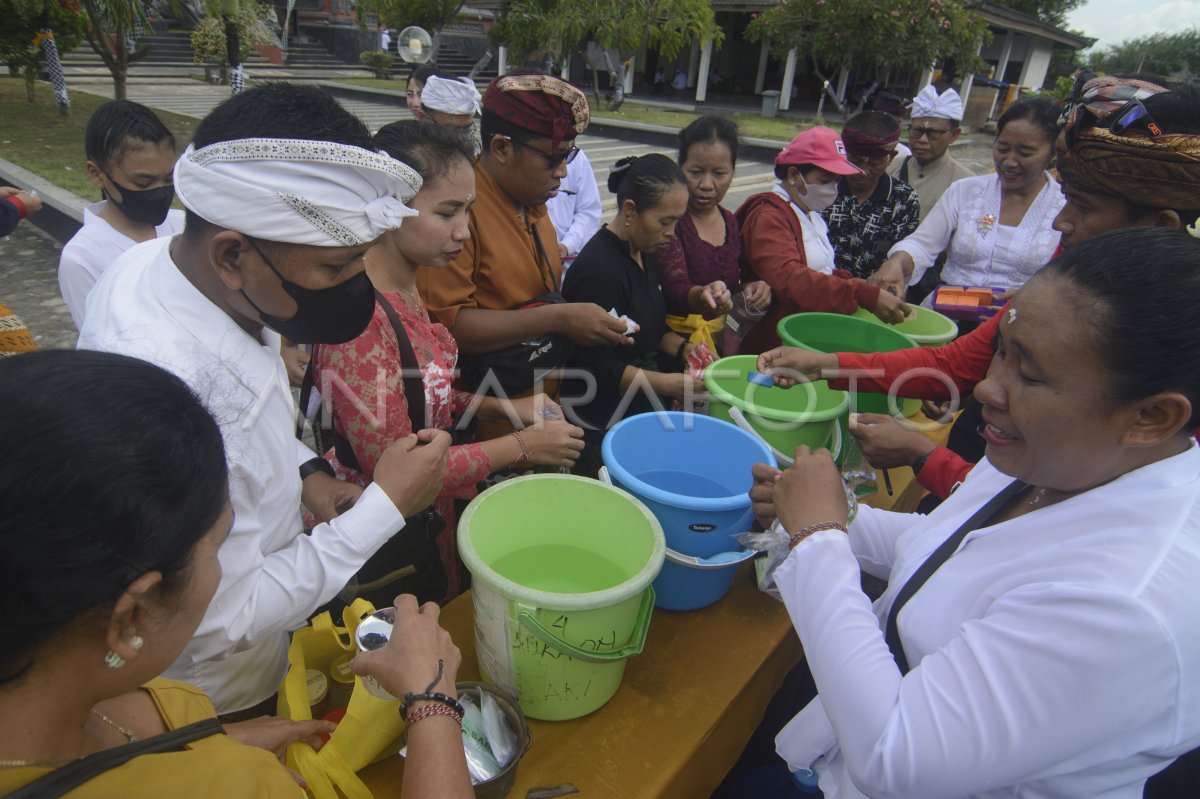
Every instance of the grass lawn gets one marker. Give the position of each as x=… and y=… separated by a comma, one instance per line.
x=750, y=124
x=37, y=138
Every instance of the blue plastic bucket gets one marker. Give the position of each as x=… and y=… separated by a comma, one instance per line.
x=690, y=583
x=693, y=472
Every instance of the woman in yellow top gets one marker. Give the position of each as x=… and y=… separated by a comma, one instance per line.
x=113, y=503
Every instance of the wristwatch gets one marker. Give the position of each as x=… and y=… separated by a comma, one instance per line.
x=315, y=465
x=920, y=462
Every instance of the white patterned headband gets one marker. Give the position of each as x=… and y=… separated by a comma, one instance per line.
x=450, y=96
x=296, y=191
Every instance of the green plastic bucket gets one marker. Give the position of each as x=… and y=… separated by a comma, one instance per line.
x=831, y=332
x=784, y=418
x=924, y=326
x=561, y=570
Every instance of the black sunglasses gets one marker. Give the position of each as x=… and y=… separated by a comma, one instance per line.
x=553, y=160
x=1129, y=116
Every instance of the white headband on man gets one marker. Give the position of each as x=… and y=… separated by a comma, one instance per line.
x=928, y=103
x=296, y=191
x=450, y=96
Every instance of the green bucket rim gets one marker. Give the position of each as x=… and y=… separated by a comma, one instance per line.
x=747, y=405
x=924, y=339
x=532, y=597
x=791, y=341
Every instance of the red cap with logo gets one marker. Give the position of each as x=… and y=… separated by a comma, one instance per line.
x=819, y=147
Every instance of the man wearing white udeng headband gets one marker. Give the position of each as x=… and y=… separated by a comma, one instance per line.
x=283, y=196
x=453, y=103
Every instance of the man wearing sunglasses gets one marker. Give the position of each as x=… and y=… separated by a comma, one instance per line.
x=934, y=126
x=528, y=127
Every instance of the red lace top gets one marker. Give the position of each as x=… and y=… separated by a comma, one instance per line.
x=370, y=410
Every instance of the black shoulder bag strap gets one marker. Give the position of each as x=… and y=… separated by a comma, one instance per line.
x=414, y=387
x=71, y=776
x=940, y=555
x=903, y=173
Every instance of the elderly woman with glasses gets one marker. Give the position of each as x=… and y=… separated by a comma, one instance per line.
x=997, y=230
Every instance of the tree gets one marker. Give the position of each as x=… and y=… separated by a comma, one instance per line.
x=1052, y=12
x=111, y=25
x=555, y=27
x=1166, y=54
x=900, y=35
x=211, y=40
x=21, y=34
x=433, y=15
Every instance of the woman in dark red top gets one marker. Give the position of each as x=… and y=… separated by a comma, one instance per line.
x=707, y=247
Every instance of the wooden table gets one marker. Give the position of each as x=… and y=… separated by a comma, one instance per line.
x=685, y=709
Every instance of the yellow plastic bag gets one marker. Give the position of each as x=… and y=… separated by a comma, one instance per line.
x=371, y=728
x=697, y=329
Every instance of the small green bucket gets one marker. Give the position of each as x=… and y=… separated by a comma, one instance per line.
x=831, y=332
x=561, y=571
x=784, y=418
x=925, y=326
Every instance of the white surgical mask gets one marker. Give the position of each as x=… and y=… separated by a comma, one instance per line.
x=820, y=195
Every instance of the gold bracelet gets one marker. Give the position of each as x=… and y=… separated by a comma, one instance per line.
x=524, y=456
x=805, y=532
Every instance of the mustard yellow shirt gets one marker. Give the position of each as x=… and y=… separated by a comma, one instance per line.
x=217, y=766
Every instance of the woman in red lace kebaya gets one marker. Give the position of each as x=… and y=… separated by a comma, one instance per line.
x=370, y=411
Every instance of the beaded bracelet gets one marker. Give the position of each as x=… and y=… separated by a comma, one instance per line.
x=524, y=456
x=432, y=710
x=429, y=696
x=805, y=532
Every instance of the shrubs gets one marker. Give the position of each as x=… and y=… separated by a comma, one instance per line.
x=379, y=61
x=254, y=24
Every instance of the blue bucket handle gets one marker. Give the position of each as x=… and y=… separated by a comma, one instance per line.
x=634, y=647
x=835, y=447
x=710, y=563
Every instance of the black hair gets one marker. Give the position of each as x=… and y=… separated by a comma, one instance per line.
x=1176, y=111
x=428, y=148
x=422, y=73
x=278, y=111
x=1142, y=291
x=117, y=126
x=805, y=170
x=112, y=469
x=709, y=128
x=1041, y=111
x=492, y=124
x=873, y=123
x=644, y=179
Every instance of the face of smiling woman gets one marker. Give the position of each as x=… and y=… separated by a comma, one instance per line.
x=1049, y=417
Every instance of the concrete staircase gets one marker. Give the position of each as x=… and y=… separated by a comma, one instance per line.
x=453, y=61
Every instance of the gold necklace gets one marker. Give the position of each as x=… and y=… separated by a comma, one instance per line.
x=413, y=295
x=123, y=730
x=128, y=733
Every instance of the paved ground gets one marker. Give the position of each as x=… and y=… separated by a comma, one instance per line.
x=29, y=258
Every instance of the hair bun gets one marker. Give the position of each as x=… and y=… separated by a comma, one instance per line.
x=618, y=171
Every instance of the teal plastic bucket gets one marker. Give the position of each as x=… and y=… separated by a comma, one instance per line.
x=783, y=418
x=562, y=568
x=924, y=326
x=831, y=332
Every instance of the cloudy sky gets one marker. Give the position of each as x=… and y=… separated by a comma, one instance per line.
x=1114, y=21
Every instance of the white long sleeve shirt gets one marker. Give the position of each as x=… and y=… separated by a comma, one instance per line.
x=1054, y=655
x=979, y=250
x=575, y=210
x=93, y=249
x=272, y=575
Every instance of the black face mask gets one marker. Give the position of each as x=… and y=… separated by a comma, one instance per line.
x=323, y=316
x=148, y=206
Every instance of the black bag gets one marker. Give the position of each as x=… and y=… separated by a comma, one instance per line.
x=410, y=562
x=518, y=368
x=66, y=779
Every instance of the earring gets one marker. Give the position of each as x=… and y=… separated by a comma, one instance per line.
x=136, y=642
x=113, y=660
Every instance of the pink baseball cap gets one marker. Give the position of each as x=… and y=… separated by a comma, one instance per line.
x=820, y=147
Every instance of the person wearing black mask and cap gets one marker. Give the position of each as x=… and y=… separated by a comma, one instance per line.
x=284, y=194
x=130, y=158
